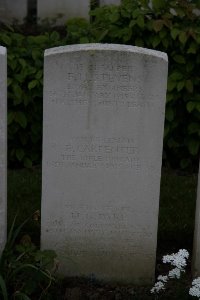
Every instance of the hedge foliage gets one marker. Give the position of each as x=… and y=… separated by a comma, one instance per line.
x=169, y=26
x=25, y=88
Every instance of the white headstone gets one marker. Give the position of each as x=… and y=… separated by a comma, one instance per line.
x=16, y=10
x=3, y=147
x=102, y=146
x=62, y=10
x=108, y=2
x=196, y=246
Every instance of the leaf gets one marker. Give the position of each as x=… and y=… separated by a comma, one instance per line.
x=158, y=4
x=193, y=146
x=179, y=59
x=174, y=33
x=36, y=54
x=13, y=233
x=39, y=74
x=9, y=81
x=165, y=43
x=163, y=33
x=3, y=288
x=136, y=13
x=180, y=85
x=10, y=117
x=180, y=11
x=192, y=49
x=32, y=84
x=197, y=106
x=183, y=37
x=20, y=154
x=22, y=296
x=20, y=118
x=140, y=21
x=170, y=96
x=169, y=114
x=184, y=163
x=139, y=42
x=27, y=163
x=193, y=128
x=172, y=143
x=6, y=39
x=22, y=62
x=190, y=106
x=171, y=85
x=176, y=76
x=190, y=66
x=114, y=17
x=158, y=25
x=17, y=90
x=189, y=86
x=132, y=23
x=84, y=40
x=156, y=41
x=102, y=35
x=166, y=130
x=54, y=36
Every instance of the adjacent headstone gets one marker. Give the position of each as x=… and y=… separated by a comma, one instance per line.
x=62, y=10
x=102, y=146
x=196, y=246
x=13, y=11
x=108, y=2
x=3, y=147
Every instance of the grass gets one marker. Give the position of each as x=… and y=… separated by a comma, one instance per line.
x=177, y=211
x=24, y=197
x=176, y=216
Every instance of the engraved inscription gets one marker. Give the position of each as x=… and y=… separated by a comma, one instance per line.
x=110, y=86
x=98, y=152
x=110, y=225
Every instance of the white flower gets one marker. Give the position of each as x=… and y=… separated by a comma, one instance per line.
x=158, y=287
x=183, y=253
x=168, y=258
x=178, y=259
x=196, y=281
x=163, y=278
x=175, y=273
x=195, y=289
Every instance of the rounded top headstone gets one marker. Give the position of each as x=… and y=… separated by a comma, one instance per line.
x=106, y=47
x=2, y=50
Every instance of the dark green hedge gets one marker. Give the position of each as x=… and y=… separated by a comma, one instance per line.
x=169, y=26
x=25, y=84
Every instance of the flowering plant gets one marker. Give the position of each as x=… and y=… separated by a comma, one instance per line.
x=178, y=261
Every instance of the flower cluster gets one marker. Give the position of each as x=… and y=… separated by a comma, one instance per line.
x=178, y=261
x=195, y=289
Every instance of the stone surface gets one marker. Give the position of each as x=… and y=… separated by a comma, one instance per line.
x=13, y=10
x=196, y=246
x=108, y=2
x=102, y=147
x=3, y=147
x=65, y=8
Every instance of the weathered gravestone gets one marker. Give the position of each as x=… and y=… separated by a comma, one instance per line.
x=108, y=2
x=103, y=130
x=196, y=246
x=11, y=11
x=3, y=146
x=61, y=10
